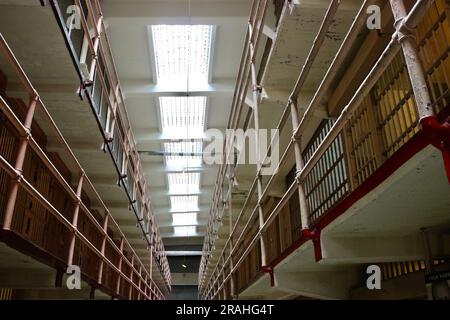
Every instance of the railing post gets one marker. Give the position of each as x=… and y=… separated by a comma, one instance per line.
x=20, y=158
x=120, y=266
x=230, y=213
x=299, y=164
x=139, y=283
x=102, y=249
x=131, y=278
x=256, y=96
x=416, y=73
x=95, y=47
x=76, y=210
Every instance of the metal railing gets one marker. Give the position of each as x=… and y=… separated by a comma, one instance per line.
x=60, y=221
x=380, y=117
x=90, y=48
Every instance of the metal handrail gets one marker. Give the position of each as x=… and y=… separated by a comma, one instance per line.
x=101, y=48
x=411, y=20
x=14, y=173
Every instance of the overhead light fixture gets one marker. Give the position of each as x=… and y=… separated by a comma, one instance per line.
x=183, y=265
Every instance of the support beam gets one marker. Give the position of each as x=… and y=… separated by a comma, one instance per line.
x=359, y=250
x=318, y=285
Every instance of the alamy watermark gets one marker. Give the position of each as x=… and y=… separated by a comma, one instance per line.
x=373, y=282
x=74, y=19
x=73, y=281
x=374, y=19
x=258, y=147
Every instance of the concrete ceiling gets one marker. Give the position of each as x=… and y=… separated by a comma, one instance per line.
x=128, y=23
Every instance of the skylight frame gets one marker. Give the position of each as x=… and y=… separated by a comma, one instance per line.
x=182, y=117
x=183, y=162
x=186, y=37
x=185, y=231
x=183, y=182
x=184, y=219
x=183, y=203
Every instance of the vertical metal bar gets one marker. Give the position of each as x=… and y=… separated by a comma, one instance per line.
x=96, y=45
x=20, y=159
x=299, y=164
x=76, y=210
x=102, y=249
x=256, y=96
x=230, y=213
x=131, y=278
x=412, y=59
x=120, y=267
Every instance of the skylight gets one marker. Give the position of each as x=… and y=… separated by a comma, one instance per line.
x=184, y=231
x=182, y=51
x=185, y=154
x=184, y=203
x=182, y=116
x=184, y=182
x=184, y=219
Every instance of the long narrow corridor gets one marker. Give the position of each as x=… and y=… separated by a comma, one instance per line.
x=224, y=149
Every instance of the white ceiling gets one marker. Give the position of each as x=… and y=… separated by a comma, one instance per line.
x=128, y=23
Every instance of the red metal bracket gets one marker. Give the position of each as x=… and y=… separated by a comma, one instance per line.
x=270, y=271
x=439, y=134
x=314, y=235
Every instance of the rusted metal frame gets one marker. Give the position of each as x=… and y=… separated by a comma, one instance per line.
x=242, y=66
x=131, y=277
x=94, y=48
x=99, y=32
x=19, y=162
x=42, y=155
x=317, y=44
x=113, y=64
x=92, y=45
x=44, y=202
x=241, y=213
x=244, y=62
x=9, y=169
x=348, y=38
x=112, y=108
x=386, y=57
x=119, y=274
x=269, y=220
x=412, y=59
x=260, y=14
x=256, y=98
x=241, y=236
x=139, y=284
x=299, y=164
x=75, y=213
x=238, y=95
x=103, y=245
